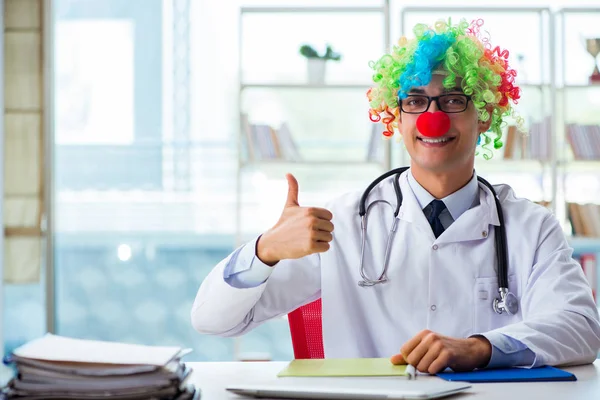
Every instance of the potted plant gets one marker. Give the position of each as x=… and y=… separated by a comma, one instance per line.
x=316, y=63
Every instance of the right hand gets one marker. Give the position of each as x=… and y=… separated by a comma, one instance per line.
x=299, y=232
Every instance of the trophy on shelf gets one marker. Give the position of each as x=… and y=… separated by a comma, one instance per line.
x=592, y=46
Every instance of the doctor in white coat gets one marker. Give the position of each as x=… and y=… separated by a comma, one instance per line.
x=434, y=309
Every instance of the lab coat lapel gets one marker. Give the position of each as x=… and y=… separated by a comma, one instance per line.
x=411, y=211
x=475, y=223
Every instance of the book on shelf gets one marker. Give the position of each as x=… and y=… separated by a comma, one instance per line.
x=585, y=219
x=288, y=146
x=584, y=141
x=509, y=142
x=536, y=145
x=264, y=142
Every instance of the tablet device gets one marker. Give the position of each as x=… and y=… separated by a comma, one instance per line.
x=355, y=389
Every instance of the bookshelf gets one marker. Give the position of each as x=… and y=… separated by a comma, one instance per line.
x=578, y=130
x=550, y=166
x=288, y=123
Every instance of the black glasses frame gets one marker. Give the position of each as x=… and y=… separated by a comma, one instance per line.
x=437, y=101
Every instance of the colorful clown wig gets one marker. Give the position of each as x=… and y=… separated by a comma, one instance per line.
x=461, y=52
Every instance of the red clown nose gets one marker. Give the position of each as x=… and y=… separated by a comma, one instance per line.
x=433, y=124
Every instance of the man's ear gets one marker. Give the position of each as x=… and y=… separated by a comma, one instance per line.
x=399, y=120
x=483, y=126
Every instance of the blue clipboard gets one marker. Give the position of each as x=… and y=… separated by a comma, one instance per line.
x=542, y=374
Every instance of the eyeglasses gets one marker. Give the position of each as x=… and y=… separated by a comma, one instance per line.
x=448, y=103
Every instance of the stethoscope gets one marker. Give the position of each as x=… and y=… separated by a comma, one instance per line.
x=506, y=302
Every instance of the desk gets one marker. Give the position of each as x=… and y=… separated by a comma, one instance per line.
x=212, y=377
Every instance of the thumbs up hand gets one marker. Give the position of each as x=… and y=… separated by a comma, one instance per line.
x=299, y=232
x=292, y=196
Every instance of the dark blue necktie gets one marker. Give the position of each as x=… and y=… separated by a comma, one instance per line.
x=436, y=207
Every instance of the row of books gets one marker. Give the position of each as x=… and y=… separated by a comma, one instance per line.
x=585, y=219
x=536, y=145
x=265, y=142
x=584, y=141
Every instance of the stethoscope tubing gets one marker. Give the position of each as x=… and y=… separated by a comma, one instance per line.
x=500, y=237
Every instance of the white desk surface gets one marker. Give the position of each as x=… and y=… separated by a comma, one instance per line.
x=212, y=377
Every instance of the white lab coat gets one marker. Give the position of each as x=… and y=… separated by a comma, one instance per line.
x=445, y=285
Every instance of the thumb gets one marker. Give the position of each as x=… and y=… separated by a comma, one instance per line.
x=292, y=197
x=398, y=359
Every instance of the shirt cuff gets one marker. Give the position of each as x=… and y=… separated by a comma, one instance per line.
x=508, y=352
x=244, y=269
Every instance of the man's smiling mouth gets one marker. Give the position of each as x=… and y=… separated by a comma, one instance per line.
x=435, y=140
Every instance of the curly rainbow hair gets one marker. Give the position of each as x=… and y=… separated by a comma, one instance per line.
x=461, y=51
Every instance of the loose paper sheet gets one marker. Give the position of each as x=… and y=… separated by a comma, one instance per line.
x=343, y=367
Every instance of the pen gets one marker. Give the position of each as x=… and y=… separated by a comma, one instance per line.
x=411, y=372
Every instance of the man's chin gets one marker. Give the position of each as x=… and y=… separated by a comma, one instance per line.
x=435, y=166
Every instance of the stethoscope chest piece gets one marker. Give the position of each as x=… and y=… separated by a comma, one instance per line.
x=507, y=302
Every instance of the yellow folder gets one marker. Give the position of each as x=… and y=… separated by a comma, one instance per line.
x=343, y=367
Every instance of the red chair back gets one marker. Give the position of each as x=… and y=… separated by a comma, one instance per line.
x=307, y=331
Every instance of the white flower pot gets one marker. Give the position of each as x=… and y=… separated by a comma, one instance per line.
x=316, y=70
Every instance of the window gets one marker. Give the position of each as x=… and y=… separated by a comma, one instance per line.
x=109, y=90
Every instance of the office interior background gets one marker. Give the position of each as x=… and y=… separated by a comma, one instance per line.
x=144, y=140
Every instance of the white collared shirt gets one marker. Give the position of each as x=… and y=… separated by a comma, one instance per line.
x=456, y=203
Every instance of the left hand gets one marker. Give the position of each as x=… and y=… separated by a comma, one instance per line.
x=431, y=352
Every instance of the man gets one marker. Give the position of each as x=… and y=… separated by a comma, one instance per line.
x=445, y=92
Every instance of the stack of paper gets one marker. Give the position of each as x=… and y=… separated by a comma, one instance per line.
x=55, y=367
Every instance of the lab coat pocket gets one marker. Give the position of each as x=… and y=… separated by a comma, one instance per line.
x=485, y=291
